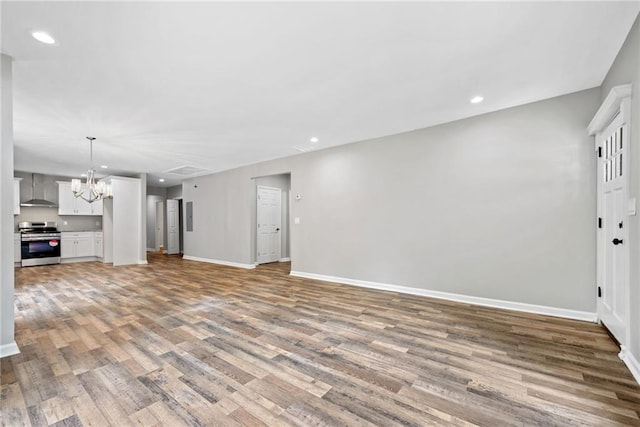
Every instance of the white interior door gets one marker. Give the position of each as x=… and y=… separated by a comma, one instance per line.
x=173, y=228
x=159, y=225
x=269, y=217
x=613, y=248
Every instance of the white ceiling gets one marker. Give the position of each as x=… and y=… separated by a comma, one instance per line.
x=218, y=85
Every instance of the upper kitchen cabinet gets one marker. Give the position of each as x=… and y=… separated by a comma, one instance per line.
x=68, y=204
x=16, y=196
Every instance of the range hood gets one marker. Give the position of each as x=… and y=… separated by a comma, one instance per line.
x=37, y=194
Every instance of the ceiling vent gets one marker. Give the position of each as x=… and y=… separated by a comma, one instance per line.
x=185, y=171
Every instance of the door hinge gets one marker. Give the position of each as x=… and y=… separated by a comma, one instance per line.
x=599, y=222
x=620, y=224
x=599, y=151
x=599, y=292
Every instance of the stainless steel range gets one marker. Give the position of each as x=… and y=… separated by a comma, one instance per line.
x=40, y=243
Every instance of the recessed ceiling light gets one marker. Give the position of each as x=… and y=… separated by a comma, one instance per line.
x=476, y=99
x=104, y=166
x=43, y=37
x=314, y=140
x=161, y=180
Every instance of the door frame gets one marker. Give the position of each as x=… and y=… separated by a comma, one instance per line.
x=616, y=104
x=159, y=226
x=177, y=226
x=257, y=222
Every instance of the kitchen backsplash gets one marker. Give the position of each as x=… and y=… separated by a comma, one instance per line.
x=73, y=223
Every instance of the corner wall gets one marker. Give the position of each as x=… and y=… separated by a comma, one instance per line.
x=499, y=206
x=8, y=345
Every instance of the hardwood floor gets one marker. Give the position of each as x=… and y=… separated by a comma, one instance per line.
x=184, y=343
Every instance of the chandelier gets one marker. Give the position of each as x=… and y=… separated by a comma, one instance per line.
x=91, y=190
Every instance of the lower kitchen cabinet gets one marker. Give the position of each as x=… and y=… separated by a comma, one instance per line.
x=81, y=245
x=76, y=244
x=98, y=244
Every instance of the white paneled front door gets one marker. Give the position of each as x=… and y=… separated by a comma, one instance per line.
x=159, y=225
x=173, y=228
x=613, y=241
x=269, y=215
x=611, y=128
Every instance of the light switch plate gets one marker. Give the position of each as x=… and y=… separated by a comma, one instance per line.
x=296, y=220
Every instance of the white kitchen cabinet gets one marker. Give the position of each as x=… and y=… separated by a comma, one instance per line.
x=17, y=248
x=68, y=204
x=97, y=207
x=98, y=244
x=76, y=244
x=16, y=196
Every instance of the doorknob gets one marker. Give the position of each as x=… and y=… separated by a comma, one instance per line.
x=616, y=241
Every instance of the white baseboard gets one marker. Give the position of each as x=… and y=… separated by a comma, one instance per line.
x=216, y=261
x=152, y=250
x=79, y=259
x=486, y=302
x=631, y=362
x=143, y=262
x=9, y=349
x=285, y=259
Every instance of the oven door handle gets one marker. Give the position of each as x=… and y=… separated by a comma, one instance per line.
x=38, y=239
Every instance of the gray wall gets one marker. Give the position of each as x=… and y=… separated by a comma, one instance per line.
x=6, y=207
x=498, y=206
x=221, y=216
x=626, y=69
x=157, y=191
x=174, y=192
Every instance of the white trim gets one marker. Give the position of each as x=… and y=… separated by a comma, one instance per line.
x=610, y=106
x=152, y=250
x=217, y=261
x=79, y=259
x=285, y=259
x=9, y=349
x=143, y=262
x=486, y=302
x=632, y=363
